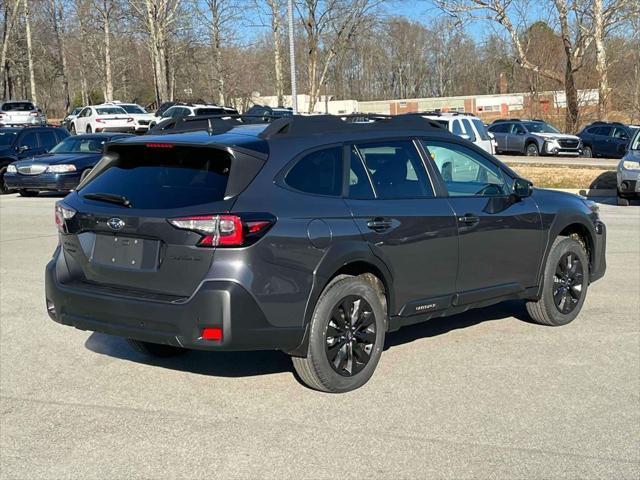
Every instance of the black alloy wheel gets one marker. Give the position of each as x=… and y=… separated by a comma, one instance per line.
x=567, y=283
x=350, y=335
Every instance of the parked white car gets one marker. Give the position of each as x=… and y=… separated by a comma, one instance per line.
x=193, y=110
x=467, y=126
x=103, y=118
x=141, y=117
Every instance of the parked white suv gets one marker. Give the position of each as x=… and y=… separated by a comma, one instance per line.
x=193, y=110
x=103, y=118
x=467, y=126
x=141, y=117
x=19, y=113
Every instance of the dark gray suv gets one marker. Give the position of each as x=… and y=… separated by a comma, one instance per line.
x=312, y=236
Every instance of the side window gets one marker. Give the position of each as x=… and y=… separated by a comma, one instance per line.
x=499, y=128
x=620, y=133
x=169, y=112
x=465, y=172
x=482, y=130
x=47, y=140
x=359, y=181
x=469, y=129
x=396, y=170
x=319, y=172
x=456, y=127
x=604, y=131
x=30, y=140
x=517, y=129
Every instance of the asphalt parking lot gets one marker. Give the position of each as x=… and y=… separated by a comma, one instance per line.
x=484, y=394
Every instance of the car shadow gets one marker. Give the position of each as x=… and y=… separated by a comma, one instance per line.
x=247, y=364
x=606, y=180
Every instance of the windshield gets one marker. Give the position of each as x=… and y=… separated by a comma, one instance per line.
x=133, y=109
x=7, y=138
x=109, y=110
x=482, y=130
x=540, y=127
x=18, y=107
x=79, y=145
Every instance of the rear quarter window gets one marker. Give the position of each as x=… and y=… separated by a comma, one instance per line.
x=319, y=173
x=157, y=178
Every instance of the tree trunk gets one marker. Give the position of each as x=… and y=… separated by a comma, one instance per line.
x=108, y=76
x=11, y=15
x=277, y=49
x=220, y=72
x=32, y=75
x=58, y=27
x=601, y=59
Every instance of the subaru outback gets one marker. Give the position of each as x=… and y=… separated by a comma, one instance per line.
x=311, y=236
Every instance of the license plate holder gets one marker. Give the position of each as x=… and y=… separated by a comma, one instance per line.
x=119, y=252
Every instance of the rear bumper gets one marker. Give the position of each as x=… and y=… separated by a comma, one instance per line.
x=130, y=129
x=60, y=182
x=222, y=304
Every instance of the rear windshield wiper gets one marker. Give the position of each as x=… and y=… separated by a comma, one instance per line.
x=109, y=197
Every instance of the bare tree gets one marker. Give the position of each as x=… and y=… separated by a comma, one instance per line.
x=275, y=7
x=10, y=14
x=58, y=17
x=329, y=25
x=27, y=29
x=105, y=9
x=575, y=39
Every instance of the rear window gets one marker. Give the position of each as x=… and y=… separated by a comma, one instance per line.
x=18, y=107
x=109, y=110
x=209, y=111
x=159, y=178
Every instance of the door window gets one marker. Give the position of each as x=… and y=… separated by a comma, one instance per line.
x=30, y=140
x=500, y=128
x=47, y=140
x=620, y=133
x=469, y=129
x=396, y=170
x=359, y=181
x=319, y=172
x=517, y=129
x=465, y=172
x=604, y=131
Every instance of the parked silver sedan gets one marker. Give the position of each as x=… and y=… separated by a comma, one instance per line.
x=17, y=113
x=628, y=174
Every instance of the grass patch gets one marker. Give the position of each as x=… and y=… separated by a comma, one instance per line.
x=561, y=176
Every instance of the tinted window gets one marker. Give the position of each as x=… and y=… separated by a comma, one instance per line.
x=605, y=131
x=517, y=129
x=30, y=140
x=319, y=172
x=500, y=128
x=18, y=107
x=47, y=139
x=359, y=183
x=210, y=111
x=469, y=129
x=482, y=131
x=396, y=170
x=456, y=128
x=7, y=137
x=465, y=172
x=133, y=109
x=109, y=111
x=159, y=178
x=620, y=133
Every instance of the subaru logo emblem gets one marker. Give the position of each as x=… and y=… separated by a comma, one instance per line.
x=115, y=224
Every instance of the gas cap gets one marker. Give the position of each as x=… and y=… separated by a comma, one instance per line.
x=319, y=233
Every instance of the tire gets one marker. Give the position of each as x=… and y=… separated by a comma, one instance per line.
x=72, y=130
x=531, y=150
x=332, y=362
x=156, y=349
x=587, y=152
x=3, y=187
x=567, y=283
x=89, y=129
x=28, y=193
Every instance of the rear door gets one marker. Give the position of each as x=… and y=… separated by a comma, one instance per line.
x=602, y=140
x=516, y=138
x=500, y=240
x=410, y=229
x=500, y=132
x=136, y=247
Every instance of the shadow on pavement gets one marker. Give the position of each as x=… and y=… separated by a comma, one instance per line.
x=246, y=364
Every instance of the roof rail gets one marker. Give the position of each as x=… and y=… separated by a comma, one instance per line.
x=306, y=125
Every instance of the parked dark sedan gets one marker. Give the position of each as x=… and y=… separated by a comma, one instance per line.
x=60, y=170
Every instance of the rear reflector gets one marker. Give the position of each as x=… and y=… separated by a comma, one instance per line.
x=212, y=333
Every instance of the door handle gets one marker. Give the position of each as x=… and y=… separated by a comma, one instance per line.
x=379, y=224
x=469, y=219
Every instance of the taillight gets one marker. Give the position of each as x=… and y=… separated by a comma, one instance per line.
x=226, y=230
x=63, y=214
x=100, y=120
x=159, y=145
x=34, y=114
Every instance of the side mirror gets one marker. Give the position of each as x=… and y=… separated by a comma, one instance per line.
x=522, y=188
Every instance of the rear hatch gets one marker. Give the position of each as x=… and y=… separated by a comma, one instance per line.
x=120, y=236
x=18, y=112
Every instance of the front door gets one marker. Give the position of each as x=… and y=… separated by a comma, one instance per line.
x=500, y=238
x=516, y=138
x=410, y=229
